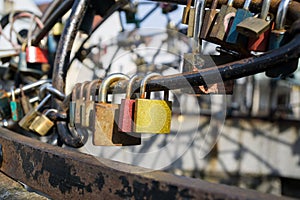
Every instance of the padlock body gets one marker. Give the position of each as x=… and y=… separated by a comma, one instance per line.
x=57, y=29
x=152, y=116
x=253, y=27
x=259, y=44
x=191, y=23
x=89, y=114
x=208, y=19
x=78, y=104
x=106, y=129
x=72, y=107
x=27, y=120
x=41, y=125
x=126, y=115
x=16, y=110
x=221, y=24
x=5, y=111
x=241, y=14
x=36, y=55
x=276, y=39
x=185, y=16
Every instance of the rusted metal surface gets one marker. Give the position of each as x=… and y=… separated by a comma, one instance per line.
x=65, y=174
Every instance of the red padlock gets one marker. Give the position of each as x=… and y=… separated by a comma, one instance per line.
x=126, y=115
x=36, y=55
x=261, y=43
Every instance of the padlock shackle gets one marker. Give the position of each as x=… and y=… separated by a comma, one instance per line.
x=247, y=4
x=74, y=91
x=144, y=83
x=265, y=9
x=82, y=89
x=49, y=88
x=129, y=86
x=230, y=2
x=92, y=88
x=107, y=82
x=281, y=14
x=13, y=97
x=214, y=5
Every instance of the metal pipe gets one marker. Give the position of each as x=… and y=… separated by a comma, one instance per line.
x=57, y=14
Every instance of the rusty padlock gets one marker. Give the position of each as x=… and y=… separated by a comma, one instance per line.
x=222, y=22
x=106, y=131
x=87, y=109
x=208, y=19
x=152, y=115
x=126, y=115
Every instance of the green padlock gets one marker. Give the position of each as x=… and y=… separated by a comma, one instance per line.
x=106, y=131
x=15, y=106
x=152, y=116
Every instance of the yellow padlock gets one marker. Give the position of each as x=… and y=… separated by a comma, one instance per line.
x=152, y=115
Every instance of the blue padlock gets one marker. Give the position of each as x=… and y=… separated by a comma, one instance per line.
x=240, y=15
x=277, y=34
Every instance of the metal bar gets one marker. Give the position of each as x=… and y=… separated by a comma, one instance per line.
x=217, y=74
x=65, y=174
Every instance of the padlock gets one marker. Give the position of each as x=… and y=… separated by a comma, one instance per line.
x=260, y=44
x=15, y=107
x=105, y=128
x=36, y=54
x=277, y=34
x=126, y=115
x=254, y=26
x=191, y=22
x=186, y=12
x=87, y=108
x=152, y=116
x=27, y=120
x=208, y=19
x=78, y=103
x=5, y=111
x=25, y=103
x=22, y=63
x=41, y=124
x=58, y=29
x=221, y=24
x=240, y=15
x=72, y=105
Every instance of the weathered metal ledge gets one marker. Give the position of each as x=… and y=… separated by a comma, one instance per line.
x=66, y=174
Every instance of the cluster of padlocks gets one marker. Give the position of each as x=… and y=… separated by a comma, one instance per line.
x=118, y=125
x=89, y=111
x=240, y=29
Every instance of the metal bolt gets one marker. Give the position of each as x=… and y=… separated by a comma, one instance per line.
x=1, y=155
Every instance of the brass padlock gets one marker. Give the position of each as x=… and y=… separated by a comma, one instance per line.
x=191, y=22
x=186, y=12
x=152, y=116
x=27, y=120
x=106, y=130
x=41, y=124
x=253, y=27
